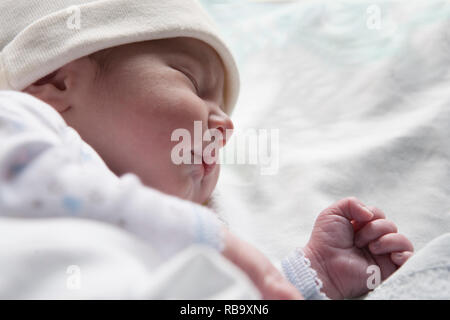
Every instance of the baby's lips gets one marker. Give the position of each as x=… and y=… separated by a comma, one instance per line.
x=209, y=165
x=196, y=158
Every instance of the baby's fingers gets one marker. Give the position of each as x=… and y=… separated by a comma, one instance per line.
x=399, y=258
x=350, y=208
x=374, y=230
x=390, y=242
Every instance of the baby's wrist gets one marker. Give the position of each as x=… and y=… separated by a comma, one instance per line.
x=318, y=264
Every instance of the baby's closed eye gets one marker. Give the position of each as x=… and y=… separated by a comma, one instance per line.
x=189, y=76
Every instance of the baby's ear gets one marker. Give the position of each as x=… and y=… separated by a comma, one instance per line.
x=52, y=89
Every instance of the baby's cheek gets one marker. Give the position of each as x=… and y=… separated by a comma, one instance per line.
x=183, y=103
x=210, y=182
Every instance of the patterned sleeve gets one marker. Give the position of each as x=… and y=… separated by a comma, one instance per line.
x=297, y=269
x=47, y=170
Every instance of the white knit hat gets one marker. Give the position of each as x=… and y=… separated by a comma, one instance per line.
x=38, y=37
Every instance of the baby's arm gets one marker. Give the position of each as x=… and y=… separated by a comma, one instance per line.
x=46, y=170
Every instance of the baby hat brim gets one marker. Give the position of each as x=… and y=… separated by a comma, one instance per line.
x=38, y=37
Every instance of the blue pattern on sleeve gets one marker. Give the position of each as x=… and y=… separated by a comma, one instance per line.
x=72, y=204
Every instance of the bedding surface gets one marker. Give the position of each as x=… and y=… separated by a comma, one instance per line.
x=359, y=91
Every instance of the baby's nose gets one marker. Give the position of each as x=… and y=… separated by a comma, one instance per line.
x=222, y=122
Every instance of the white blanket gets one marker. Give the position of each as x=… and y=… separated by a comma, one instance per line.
x=360, y=93
x=66, y=258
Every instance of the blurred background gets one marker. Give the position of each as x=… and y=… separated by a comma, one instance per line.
x=359, y=91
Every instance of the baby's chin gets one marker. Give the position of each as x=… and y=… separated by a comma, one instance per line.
x=187, y=182
x=201, y=188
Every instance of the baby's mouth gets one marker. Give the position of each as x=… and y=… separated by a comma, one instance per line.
x=199, y=160
x=208, y=167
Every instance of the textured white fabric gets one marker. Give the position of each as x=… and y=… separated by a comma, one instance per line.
x=200, y=273
x=47, y=170
x=39, y=36
x=68, y=258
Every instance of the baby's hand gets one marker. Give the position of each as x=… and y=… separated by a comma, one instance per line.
x=347, y=238
x=269, y=281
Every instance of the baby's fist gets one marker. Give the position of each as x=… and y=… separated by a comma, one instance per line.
x=347, y=238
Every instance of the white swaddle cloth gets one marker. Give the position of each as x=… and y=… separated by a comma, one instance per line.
x=79, y=259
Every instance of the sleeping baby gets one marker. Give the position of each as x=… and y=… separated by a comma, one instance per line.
x=86, y=125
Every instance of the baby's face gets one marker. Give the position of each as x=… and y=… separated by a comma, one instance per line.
x=129, y=112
